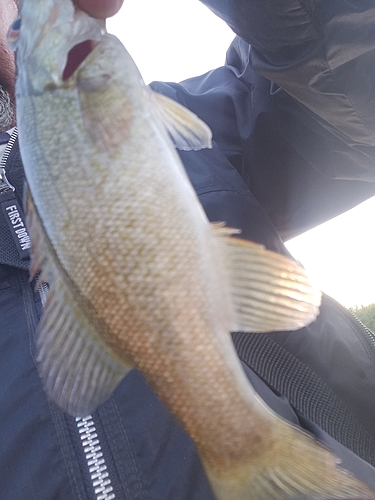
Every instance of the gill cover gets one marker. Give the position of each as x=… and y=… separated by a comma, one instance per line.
x=43, y=36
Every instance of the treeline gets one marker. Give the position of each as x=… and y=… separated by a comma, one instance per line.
x=366, y=314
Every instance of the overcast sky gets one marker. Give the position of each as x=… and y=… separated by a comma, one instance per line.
x=171, y=40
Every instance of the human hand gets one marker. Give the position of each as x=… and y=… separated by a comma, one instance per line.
x=100, y=9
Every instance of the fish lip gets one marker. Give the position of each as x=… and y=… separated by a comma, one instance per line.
x=76, y=56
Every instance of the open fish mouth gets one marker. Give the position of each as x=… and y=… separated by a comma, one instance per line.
x=57, y=38
x=76, y=56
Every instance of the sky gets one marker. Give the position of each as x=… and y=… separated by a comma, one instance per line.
x=171, y=40
x=339, y=255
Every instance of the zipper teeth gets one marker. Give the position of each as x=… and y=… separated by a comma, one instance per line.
x=95, y=461
x=89, y=439
x=43, y=292
x=94, y=458
x=5, y=185
x=9, y=147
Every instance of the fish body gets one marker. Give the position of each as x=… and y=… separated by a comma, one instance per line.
x=137, y=275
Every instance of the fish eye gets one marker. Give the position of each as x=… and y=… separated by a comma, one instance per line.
x=14, y=32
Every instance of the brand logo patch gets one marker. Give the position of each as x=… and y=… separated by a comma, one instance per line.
x=15, y=220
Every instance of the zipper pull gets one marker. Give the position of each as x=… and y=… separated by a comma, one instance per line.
x=5, y=185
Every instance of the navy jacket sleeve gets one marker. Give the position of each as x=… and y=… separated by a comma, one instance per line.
x=322, y=53
x=293, y=110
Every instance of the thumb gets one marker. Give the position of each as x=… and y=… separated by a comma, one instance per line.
x=100, y=9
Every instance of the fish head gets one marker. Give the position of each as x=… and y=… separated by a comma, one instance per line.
x=50, y=38
x=60, y=48
x=64, y=55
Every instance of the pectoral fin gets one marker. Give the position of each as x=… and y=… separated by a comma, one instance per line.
x=270, y=292
x=188, y=132
x=78, y=371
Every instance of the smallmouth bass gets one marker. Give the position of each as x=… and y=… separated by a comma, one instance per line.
x=138, y=277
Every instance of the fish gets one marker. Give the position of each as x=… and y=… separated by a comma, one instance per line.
x=137, y=276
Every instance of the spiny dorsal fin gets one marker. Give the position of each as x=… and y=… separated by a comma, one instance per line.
x=269, y=291
x=77, y=371
x=188, y=132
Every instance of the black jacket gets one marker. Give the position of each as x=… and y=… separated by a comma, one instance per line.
x=279, y=160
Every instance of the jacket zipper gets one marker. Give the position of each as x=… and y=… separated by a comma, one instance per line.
x=5, y=185
x=92, y=449
x=95, y=462
x=94, y=458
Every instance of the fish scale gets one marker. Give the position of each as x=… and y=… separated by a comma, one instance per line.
x=137, y=276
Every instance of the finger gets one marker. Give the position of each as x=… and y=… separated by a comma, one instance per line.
x=100, y=9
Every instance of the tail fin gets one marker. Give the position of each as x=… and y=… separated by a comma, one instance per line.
x=294, y=467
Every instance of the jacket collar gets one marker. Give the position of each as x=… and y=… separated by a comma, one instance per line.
x=8, y=252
